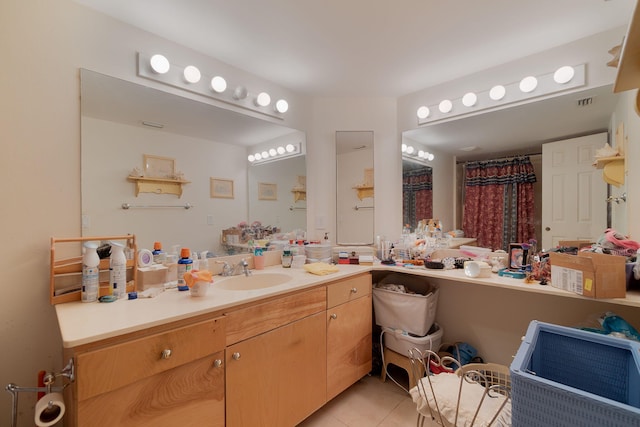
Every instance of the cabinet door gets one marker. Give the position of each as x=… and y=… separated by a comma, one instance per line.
x=348, y=344
x=189, y=395
x=277, y=378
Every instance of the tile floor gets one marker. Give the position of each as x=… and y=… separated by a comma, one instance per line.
x=369, y=403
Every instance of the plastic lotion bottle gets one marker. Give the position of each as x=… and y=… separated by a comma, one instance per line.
x=90, y=273
x=185, y=264
x=118, y=270
x=157, y=253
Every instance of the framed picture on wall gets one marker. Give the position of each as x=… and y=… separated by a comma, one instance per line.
x=221, y=188
x=267, y=191
x=159, y=167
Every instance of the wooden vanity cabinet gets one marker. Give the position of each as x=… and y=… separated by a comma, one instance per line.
x=349, y=326
x=170, y=378
x=277, y=377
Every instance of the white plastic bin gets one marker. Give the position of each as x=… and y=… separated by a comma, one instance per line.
x=412, y=313
x=401, y=343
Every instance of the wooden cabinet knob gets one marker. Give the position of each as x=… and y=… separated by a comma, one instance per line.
x=236, y=356
x=166, y=353
x=354, y=290
x=334, y=316
x=217, y=363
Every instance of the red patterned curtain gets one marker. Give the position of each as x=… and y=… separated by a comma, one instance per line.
x=417, y=195
x=499, y=202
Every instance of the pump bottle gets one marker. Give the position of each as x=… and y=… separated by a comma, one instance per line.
x=118, y=270
x=90, y=273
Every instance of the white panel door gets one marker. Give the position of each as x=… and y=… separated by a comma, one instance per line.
x=574, y=194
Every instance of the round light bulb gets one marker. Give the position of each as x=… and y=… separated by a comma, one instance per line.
x=282, y=106
x=281, y=150
x=258, y=156
x=265, y=155
x=290, y=148
x=497, y=92
x=410, y=149
x=420, y=153
x=240, y=92
x=159, y=64
x=218, y=84
x=251, y=158
x=431, y=156
x=564, y=74
x=445, y=106
x=423, y=112
x=191, y=74
x=469, y=99
x=404, y=148
x=263, y=99
x=272, y=152
x=528, y=84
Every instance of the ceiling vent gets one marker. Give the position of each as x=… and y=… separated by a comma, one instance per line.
x=585, y=101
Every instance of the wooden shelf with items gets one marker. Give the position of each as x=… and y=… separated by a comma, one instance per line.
x=158, y=185
x=65, y=281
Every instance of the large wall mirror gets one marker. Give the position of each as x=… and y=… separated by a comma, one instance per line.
x=354, y=188
x=523, y=129
x=129, y=129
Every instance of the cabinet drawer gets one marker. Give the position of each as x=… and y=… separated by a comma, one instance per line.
x=348, y=289
x=112, y=367
x=257, y=319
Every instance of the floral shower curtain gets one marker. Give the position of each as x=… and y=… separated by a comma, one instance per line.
x=417, y=196
x=499, y=202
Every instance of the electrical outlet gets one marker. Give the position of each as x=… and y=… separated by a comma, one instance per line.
x=86, y=221
x=209, y=219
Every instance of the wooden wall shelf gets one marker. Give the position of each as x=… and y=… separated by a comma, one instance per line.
x=158, y=185
x=628, y=76
x=364, y=191
x=299, y=195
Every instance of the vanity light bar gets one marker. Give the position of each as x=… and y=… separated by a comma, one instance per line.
x=411, y=153
x=190, y=78
x=275, y=153
x=564, y=78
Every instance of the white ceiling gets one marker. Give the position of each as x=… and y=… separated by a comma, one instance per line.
x=380, y=48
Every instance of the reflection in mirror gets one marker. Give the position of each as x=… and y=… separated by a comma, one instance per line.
x=122, y=122
x=355, y=190
x=517, y=130
x=417, y=192
x=277, y=194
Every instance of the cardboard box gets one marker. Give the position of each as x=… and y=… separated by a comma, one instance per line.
x=575, y=243
x=589, y=274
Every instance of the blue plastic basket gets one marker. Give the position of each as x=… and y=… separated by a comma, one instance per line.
x=568, y=377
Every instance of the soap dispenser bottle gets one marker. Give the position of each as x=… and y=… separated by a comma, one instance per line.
x=90, y=273
x=117, y=270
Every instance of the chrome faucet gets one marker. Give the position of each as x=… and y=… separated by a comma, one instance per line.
x=226, y=268
x=244, y=266
x=241, y=268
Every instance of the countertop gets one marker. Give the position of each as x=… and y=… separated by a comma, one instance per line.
x=83, y=323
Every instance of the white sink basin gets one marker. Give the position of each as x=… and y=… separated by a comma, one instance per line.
x=254, y=281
